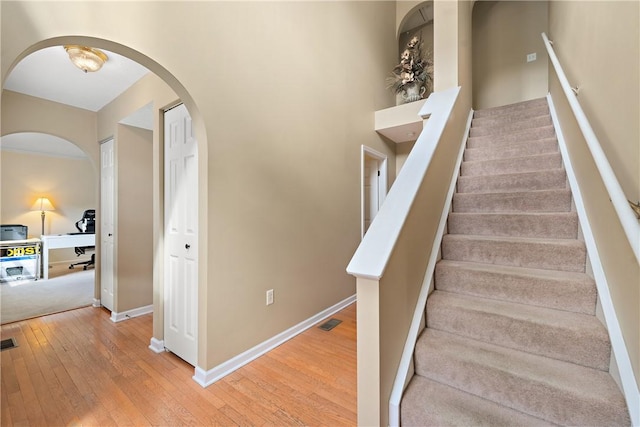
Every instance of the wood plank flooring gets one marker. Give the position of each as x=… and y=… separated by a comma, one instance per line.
x=79, y=368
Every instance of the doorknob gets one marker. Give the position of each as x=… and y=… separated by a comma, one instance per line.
x=110, y=234
x=187, y=246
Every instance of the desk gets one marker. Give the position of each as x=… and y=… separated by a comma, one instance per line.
x=59, y=241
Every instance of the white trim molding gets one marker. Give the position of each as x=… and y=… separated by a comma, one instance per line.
x=125, y=315
x=156, y=345
x=96, y=303
x=206, y=378
x=618, y=347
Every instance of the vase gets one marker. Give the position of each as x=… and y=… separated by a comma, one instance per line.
x=413, y=92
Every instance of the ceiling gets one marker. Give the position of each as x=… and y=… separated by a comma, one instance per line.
x=48, y=73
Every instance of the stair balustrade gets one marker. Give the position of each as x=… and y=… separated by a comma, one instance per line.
x=392, y=259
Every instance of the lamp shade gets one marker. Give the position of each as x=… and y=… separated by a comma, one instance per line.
x=43, y=204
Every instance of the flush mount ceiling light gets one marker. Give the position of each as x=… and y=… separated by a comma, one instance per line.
x=86, y=58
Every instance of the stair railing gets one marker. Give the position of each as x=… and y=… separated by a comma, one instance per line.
x=391, y=261
x=620, y=203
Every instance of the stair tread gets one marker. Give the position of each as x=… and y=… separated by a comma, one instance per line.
x=517, y=174
x=550, y=179
x=572, y=337
x=531, y=252
x=514, y=239
x=517, y=135
x=516, y=106
x=562, y=225
x=519, y=164
x=438, y=404
x=508, y=126
x=560, y=290
x=515, y=147
x=521, y=271
x=551, y=389
x=550, y=200
x=511, y=116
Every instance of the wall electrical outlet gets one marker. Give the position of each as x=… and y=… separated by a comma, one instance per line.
x=531, y=57
x=270, y=297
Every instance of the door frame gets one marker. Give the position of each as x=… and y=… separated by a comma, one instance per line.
x=383, y=178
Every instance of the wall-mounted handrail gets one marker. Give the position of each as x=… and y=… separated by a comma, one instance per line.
x=618, y=199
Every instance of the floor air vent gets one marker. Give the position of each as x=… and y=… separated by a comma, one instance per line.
x=330, y=324
x=7, y=344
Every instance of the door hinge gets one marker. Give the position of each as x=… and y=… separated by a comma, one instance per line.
x=378, y=173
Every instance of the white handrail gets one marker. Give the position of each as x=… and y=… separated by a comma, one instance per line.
x=371, y=258
x=620, y=204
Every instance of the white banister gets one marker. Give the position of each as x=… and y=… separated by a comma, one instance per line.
x=618, y=199
x=372, y=256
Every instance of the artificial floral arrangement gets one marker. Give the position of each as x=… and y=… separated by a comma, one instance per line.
x=415, y=67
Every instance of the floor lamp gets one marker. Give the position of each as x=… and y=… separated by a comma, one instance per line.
x=42, y=204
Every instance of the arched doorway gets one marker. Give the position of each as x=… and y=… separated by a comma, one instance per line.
x=117, y=115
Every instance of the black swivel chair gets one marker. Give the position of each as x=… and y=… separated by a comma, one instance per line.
x=87, y=224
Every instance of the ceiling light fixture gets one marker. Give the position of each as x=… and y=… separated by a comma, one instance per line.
x=86, y=58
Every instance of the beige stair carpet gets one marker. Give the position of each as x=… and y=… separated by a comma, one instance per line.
x=511, y=336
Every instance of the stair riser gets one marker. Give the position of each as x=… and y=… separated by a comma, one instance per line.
x=533, y=397
x=587, y=347
x=526, y=181
x=513, y=165
x=529, y=148
x=560, y=226
x=544, y=201
x=575, y=295
x=514, y=137
x=516, y=116
x=532, y=254
x=511, y=127
x=509, y=109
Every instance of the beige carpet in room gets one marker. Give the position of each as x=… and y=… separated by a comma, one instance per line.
x=64, y=290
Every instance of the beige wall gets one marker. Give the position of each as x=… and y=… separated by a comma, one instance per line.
x=609, y=94
x=134, y=223
x=68, y=182
x=597, y=44
x=282, y=97
x=504, y=32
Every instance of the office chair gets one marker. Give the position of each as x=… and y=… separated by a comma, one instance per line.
x=87, y=224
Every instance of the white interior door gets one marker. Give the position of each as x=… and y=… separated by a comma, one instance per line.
x=181, y=235
x=107, y=222
x=374, y=185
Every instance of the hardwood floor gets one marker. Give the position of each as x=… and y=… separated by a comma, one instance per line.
x=79, y=368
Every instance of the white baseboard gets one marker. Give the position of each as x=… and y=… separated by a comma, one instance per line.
x=96, y=302
x=119, y=317
x=206, y=378
x=157, y=345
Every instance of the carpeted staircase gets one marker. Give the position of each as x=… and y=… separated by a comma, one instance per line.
x=512, y=338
